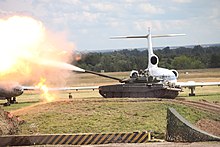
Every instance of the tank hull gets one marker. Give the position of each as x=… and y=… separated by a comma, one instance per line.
x=138, y=90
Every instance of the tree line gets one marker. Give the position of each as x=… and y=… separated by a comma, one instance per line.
x=126, y=60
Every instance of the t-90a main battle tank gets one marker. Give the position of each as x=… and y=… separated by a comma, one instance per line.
x=139, y=85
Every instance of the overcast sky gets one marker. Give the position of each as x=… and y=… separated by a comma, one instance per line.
x=90, y=23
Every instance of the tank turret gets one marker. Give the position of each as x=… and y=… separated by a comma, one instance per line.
x=135, y=77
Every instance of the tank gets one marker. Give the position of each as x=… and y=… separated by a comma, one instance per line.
x=138, y=86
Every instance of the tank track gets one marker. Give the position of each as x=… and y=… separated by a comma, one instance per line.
x=138, y=90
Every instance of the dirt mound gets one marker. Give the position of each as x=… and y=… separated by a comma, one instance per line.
x=9, y=123
x=210, y=126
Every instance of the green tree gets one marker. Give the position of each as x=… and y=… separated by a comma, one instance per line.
x=184, y=62
x=214, y=61
x=126, y=60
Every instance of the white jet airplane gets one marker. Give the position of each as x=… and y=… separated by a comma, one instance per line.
x=167, y=75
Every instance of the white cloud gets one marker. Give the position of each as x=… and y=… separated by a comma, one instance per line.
x=214, y=17
x=144, y=25
x=77, y=17
x=86, y=7
x=89, y=17
x=160, y=25
x=71, y=2
x=148, y=8
x=84, y=31
x=182, y=1
x=113, y=24
x=103, y=6
x=130, y=1
x=215, y=13
x=120, y=16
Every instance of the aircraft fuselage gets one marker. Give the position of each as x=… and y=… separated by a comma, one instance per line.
x=9, y=90
x=163, y=73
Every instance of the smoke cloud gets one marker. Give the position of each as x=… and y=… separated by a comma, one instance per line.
x=26, y=48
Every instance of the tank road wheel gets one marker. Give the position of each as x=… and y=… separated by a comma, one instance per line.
x=171, y=94
x=126, y=94
x=109, y=95
x=117, y=94
x=159, y=93
x=106, y=94
x=102, y=94
x=174, y=94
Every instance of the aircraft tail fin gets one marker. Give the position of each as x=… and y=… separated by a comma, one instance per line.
x=167, y=35
x=146, y=36
x=126, y=37
x=153, y=60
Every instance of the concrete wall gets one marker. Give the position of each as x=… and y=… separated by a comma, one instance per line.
x=180, y=130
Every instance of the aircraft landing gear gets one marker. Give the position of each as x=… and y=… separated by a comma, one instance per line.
x=70, y=96
x=8, y=103
x=11, y=100
x=192, y=93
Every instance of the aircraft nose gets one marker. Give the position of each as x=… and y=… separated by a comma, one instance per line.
x=18, y=90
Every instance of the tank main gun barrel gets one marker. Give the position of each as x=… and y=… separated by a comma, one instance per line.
x=103, y=75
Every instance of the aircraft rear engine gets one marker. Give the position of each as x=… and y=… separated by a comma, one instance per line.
x=134, y=74
x=154, y=60
x=175, y=73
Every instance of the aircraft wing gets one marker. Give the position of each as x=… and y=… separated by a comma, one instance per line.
x=30, y=88
x=197, y=84
x=62, y=88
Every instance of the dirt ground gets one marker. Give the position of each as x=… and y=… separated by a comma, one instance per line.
x=210, y=126
x=9, y=124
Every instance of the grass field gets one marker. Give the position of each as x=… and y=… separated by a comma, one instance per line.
x=109, y=116
x=89, y=112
